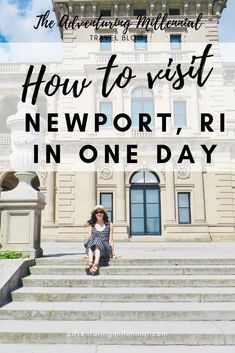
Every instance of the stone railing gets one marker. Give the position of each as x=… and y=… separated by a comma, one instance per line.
x=5, y=139
x=144, y=56
x=21, y=68
x=144, y=135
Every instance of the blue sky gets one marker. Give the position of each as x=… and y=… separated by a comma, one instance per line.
x=17, y=18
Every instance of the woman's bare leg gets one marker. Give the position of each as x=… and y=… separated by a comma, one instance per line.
x=90, y=255
x=97, y=255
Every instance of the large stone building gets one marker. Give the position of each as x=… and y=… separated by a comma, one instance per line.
x=144, y=202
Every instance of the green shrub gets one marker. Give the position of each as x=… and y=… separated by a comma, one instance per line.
x=11, y=255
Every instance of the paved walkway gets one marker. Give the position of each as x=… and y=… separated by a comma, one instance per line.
x=149, y=250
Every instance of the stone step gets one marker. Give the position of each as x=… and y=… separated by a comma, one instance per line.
x=129, y=281
x=134, y=269
x=118, y=311
x=118, y=332
x=78, y=260
x=75, y=348
x=120, y=294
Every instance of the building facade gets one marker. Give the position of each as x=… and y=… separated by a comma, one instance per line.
x=145, y=203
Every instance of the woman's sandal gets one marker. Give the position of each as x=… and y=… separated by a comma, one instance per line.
x=94, y=270
x=88, y=267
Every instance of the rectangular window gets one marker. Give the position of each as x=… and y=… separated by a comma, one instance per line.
x=105, y=43
x=106, y=200
x=105, y=13
x=184, y=213
x=140, y=43
x=174, y=11
x=180, y=118
x=139, y=12
x=107, y=109
x=175, y=40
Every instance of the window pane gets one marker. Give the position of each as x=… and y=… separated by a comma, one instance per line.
x=180, y=113
x=137, y=225
x=153, y=225
x=105, y=43
x=137, y=210
x=141, y=105
x=105, y=13
x=138, y=178
x=152, y=196
x=142, y=92
x=140, y=42
x=137, y=196
x=107, y=109
x=184, y=207
x=184, y=215
x=152, y=210
x=139, y=12
x=174, y=12
x=175, y=40
x=106, y=200
x=150, y=177
x=136, y=109
x=183, y=199
x=148, y=107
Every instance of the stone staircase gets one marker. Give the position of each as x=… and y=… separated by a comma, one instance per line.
x=139, y=304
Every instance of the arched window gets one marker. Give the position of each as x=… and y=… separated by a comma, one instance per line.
x=145, y=207
x=142, y=102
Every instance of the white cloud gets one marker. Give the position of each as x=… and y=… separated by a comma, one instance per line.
x=16, y=23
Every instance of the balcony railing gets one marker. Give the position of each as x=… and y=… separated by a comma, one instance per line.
x=5, y=139
x=20, y=68
x=144, y=56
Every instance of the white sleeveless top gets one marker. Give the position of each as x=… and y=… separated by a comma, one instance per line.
x=100, y=228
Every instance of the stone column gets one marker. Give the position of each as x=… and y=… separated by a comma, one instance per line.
x=92, y=99
x=200, y=216
x=121, y=197
x=194, y=109
x=50, y=198
x=170, y=197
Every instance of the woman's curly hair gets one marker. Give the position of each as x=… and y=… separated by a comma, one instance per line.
x=92, y=220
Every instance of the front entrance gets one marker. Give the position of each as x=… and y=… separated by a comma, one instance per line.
x=145, y=206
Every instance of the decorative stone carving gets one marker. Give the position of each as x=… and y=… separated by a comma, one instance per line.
x=115, y=10
x=94, y=10
x=198, y=7
x=163, y=7
x=183, y=172
x=218, y=7
x=186, y=8
x=43, y=178
x=106, y=173
x=70, y=10
x=210, y=8
x=152, y=6
x=128, y=6
x=82, y=10
x=62, y=9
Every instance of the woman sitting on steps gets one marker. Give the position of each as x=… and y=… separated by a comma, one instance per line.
x=100, y=242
